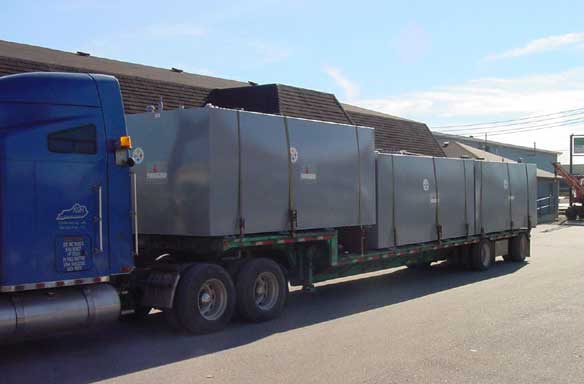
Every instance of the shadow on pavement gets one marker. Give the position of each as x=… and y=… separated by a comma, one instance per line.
x=131, y=347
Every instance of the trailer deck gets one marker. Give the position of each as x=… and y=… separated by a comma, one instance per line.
x=349, y=264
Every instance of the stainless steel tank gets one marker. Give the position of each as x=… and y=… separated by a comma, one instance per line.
x=200, y=170
x=38, y=313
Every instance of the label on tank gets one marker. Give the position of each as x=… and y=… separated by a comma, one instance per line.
x=73, y=253
x=308, y=175
x=157, y=173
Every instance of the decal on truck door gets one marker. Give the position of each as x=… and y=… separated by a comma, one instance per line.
x=73, y=253
x=74, y=218
x=76, y=212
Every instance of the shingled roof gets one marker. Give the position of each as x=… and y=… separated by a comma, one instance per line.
x=143, y=85
x=282, y=100
x=394, y=134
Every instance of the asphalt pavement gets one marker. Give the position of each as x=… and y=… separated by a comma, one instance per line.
x=516, y=323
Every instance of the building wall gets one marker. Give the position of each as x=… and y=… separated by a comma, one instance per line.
x=547, y=208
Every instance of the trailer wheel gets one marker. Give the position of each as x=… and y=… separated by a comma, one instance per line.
x=482, y=255
x=205, y=299
x=262, y=290
x=518, y=248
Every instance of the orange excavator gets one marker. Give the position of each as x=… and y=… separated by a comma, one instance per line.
x=574, y=211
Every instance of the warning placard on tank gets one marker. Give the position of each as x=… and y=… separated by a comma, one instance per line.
x=73, y=253
x=308, y=174
x=156, y=173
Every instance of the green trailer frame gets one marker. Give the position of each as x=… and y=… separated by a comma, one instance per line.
x=302, y=250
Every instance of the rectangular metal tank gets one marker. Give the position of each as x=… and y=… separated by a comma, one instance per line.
x=202, y=169
x=416, y=193
x=415, y=199
x=518, y=195
x=493, y=197
x=455, y=181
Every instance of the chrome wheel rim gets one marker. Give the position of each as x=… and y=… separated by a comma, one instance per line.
x=212, y=299
x=266, y=291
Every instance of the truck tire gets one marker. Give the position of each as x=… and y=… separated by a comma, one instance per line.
x=482, y=255
x=205, y=299
x=518, y=248
x=262, y=290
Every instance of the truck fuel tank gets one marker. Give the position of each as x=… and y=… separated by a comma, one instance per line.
x=40, y=313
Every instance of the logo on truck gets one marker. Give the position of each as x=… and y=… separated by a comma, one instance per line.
x=76, y=212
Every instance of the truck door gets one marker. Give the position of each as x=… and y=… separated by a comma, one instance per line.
x=73, y=197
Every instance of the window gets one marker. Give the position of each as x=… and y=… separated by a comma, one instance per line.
x=75, y=140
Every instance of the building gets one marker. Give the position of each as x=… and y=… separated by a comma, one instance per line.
x=541, y=157
x=547, y=182
x=143, y=86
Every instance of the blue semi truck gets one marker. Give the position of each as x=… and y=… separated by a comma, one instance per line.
x=75, y=195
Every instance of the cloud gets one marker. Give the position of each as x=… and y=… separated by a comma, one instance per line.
x=491, y=99
x=544, y=44
x=350, y=89
x=481, y=99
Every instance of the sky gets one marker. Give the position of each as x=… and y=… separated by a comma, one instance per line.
x=445, y=63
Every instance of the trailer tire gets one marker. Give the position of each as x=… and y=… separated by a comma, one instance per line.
x=518, y=248
x=262, y=290
x=482, y=255
x=205, y=299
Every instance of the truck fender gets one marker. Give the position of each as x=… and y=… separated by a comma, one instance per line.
x=160, y=285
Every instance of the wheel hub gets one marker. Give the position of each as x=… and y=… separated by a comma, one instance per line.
x=266, y=290
x=212, y=299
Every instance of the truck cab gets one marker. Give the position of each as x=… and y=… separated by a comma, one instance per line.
x=65, y=187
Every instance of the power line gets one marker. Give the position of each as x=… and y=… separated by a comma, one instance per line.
x=530, y=129
x=509, y=121
x=526, y=123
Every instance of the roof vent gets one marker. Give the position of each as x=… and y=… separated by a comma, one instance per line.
x=177, y=70
x=252, y=83
x=81, y=53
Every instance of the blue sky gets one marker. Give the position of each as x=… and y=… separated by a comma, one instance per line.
x=444, y=63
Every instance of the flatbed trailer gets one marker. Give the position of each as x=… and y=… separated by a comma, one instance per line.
x=212, y=211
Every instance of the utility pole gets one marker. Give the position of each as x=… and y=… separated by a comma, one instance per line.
x=571, y=163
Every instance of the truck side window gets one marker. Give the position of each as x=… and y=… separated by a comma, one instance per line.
x=81, y=140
